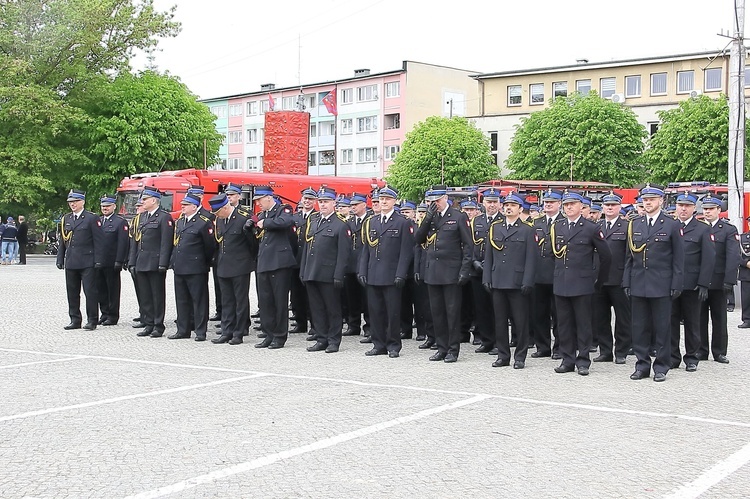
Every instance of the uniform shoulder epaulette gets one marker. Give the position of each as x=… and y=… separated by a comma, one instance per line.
x=538, y=217
x=703, y=221
x=530, y=223
x=206, y=219
x=120, y=216
x=243, y=211
x=341, y=217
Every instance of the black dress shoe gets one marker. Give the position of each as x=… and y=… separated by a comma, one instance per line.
x=221, y=339
x=296, y=329
x=438, y=356
x=137, y=319
x=483, y=349
x=264, y=344
x=619, y=360
x=257, y=328
x=494, y=351
x=537, y=355
x=426, y=345
x=366, y=339
x=235, y=341
x=262, y=335
x=215, y=317
x=72, y=326
x=519, y=364
x=138, y=325
x=721, y=359
x=101, y=319
x=602, y=358
x=393, y=355
x=177, y=336
x=108, y=322
x=562, y=368
x=583, y=371
x=312, y=337
x=639, y=374
x=744, y=325
x=450, y=358
x=276, y=344
x=501, y=363
x=145, y=332
x=660, y=377
x=157, y=334
x=406, y=336
x=420, y=337
x=200, y=338
x=332, y=349
x=556, y=356
x=89, y=326
x=375, y=351
x=691, y=368
x=317, y=347
x=352, y=331
x=730, y=308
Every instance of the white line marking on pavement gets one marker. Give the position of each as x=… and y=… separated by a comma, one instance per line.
x=318, y=445
x=78, y=357
x=125, y=397
x=711, y=477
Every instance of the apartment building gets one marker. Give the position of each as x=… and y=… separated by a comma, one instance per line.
x=647, y=86
x=362, y=132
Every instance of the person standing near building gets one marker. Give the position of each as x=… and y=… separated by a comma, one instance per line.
x=80, y=253
x=23, y=239
x=724, y=277
x=194, y=249
x=744, y=277
x=448, y=255
x=9, y=242
x=274, y=230
x=115, y=255
x=652, y=278
x=150, y=257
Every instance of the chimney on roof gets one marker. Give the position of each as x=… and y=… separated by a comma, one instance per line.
x=267, y=86
x=361, y=72
x=582, y=61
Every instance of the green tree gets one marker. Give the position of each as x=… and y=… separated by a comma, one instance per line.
x=144, y=122
x=692, y=142
x=604, y=139
x=450, y=150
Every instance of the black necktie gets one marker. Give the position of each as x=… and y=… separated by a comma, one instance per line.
x=609, y=226
x=650, y=223
x=549, y=222
x=572, y=224
x=384, y=218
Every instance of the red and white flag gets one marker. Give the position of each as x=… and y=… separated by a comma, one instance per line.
x=329, y=101
x=271, y=103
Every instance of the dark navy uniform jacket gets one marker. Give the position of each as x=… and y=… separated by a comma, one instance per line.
x=357, y=242
x=510, y=255
x=299, y=227
x=275, y=245
x=479, y=226
x=82, y=241
x=154, y=241
x=448, y=247
x=194, y=245
x=238, y=246
x=744, y=272
x=654, y=264
x=545, y=267
x=116, y=239
x=388, y=251
x=726, y=241
x=616, y=239
x=575, y=269
x=700, y=254
x=327, y=243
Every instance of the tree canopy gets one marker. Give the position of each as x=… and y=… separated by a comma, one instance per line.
x=604, y=139
x=437, y=150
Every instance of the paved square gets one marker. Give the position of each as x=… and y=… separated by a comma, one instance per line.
x=107, y=414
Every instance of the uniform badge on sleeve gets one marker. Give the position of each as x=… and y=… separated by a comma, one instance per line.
x=713, y=239
x=411, y=230
x=682, y=233
x=601, y=235
x=169, y=222
x=210, y=230
x=98, y=223
x=736, y=237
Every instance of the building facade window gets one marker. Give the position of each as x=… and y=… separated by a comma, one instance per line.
x=659, y=84
x=346, y=126
x=235, y=110
x=327, y=129
x=633, y=86
x=219, y=111
x=393, y=89
x=289, y=103
x=313, y=129
x=536, y=91
x=685, y=81
x=583, y=87
x=265, y=106
x=391, y=151
x=234, y=164
x=493, y=141
x=252, y=135
x=252, y=108
x=235, y=137
x=560, y=89
x=607, y=87
x=311, y=101
x=312, y=159
x=652, y=127
x=514, y=95
x=347, y=96
x=327, y=157
x=252, y=164
x=713, y=80
x=392, y=121
x=367, y=124
x=367, y=154
x=367, y=93
x=747, y=77
x=346, y=157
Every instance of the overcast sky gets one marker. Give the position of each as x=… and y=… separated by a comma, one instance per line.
x=232, y=46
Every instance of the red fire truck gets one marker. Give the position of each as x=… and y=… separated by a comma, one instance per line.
x=174, y=185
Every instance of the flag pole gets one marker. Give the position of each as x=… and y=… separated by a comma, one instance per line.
x=336, y=132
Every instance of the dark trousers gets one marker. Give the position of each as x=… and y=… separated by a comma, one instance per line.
x=325, y=307
x=574, y=329
x=603, y=302
x=191, y=298
x=407, y=307
x=467, y=312
x=485, y=326
x=152, y=286
x=356, y=304
x=652, y=318
x=137, y=294
x=108, y=286
x=273, y=301
x=217, y=291
x=298, y=298
x=235, y=305
x=715, y=305
x=687, y=307
x=22, y=253
x=422, y=311
x=545, y=316
x=385, y=311
x=74, y=278
x=745, y=299
x=445, y=304
x=510, y=304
